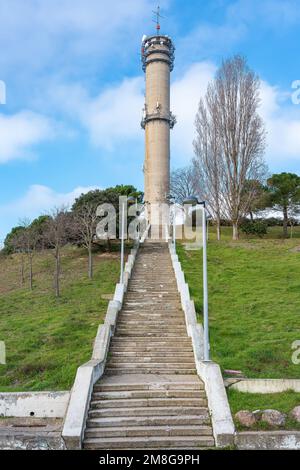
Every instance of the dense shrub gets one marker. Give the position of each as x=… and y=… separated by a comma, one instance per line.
x=257, y=228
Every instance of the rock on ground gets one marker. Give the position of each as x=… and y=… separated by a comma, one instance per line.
x=246, y=418
x=295, y=413
x=273, y=418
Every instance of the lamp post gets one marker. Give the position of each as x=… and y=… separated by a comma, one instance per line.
x=129, y=200
x=171, y=199
x=192, y=200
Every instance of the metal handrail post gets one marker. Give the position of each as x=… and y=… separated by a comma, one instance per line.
x=122, y=243
x=205, y=287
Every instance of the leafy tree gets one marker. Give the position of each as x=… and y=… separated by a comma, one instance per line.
x=9, y=242
x=285, y=196
x=109, y=195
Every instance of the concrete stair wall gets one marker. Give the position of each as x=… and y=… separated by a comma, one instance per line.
x=150, y=396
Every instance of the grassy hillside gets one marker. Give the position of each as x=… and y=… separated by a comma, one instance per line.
x=254, y=301
x=48, y=338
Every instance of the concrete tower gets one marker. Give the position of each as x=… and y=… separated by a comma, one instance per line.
x=158, y=61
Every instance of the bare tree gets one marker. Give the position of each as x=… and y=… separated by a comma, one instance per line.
x=230, y=111
x=207, y=163
x=56, y=235
x=18, y=247
x=85, y=223
x=183, y=183
x=25, y=242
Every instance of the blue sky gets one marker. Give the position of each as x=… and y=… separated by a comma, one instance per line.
x=75, y=88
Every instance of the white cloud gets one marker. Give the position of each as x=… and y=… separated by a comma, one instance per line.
x=41, y=199
x=115, y=114
x=275, y=13
x=38, y=200
x=185, y=96
x=19, y=132
x=112, y=118
x=57, y=30
x=282, y=120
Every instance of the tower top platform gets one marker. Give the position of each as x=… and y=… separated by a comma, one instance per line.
x=157, y=45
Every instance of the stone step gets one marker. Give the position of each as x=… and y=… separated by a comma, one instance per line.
x=153, y=312
x=119, y=360
x=155, y=304
x=139, y=350
x=158, y=442
x=151, y=274
x=157, y=288
x=126, y=421
x=157, y=385
x=152, y=296
x=149, y=370
x=140, y=332
x=159, y=307
x=161, y=411
x=150, y=322
x=159, y=299
x=144, y=327
x=156, y=341
x=147, y=344
x=129, y=354
x=160, y=365
x=148, y=394
x=150, y=319
x=132, y=320
x=151, y=402
x=148, y=431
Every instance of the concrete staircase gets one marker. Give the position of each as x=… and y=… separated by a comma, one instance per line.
x=150, y=396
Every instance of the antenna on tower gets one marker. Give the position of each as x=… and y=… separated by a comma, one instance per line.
x=157, y=19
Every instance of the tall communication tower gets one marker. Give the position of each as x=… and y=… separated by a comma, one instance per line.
x=158, y=61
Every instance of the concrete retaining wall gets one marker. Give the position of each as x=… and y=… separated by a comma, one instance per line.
x=35, y=404
x=263, y=385
x=268, y=440
x=31, y=434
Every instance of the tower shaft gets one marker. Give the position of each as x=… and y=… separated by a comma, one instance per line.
x=157, y=58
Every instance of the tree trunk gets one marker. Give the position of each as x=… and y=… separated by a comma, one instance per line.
x=235, y=231
x=22, y=271
x=30, y=273
x=218, y=229
x=251, y=215
x=285, y=222
x=57, y=272
x=90, y=271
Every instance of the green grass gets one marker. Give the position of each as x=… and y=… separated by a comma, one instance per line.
x=254, y=301
x=48, y=338
x=283, y=402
